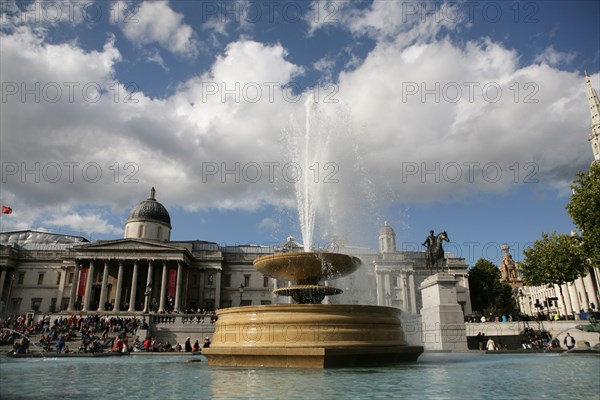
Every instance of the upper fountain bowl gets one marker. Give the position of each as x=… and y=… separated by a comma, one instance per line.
x=306, y=268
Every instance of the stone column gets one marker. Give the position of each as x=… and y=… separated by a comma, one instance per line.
x=177, y=304
x=148, y=284
x=88, y=287
x=585, y=302
x=379, y=286
x=574, y=299
x=133, y=286
x=119, y=285
x=405, y=301
x=387, y=288
x=61, y=288
x=217, y=283
x=104, y=287
x=588, y=285
x=74, y=286
x=566, y=299
x=413, y=294
x=163, y=288
x=2, y=279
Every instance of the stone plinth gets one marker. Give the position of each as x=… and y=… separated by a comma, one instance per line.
x=309, y=336
x=442, y=321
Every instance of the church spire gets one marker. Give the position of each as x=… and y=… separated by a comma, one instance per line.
x=595, y=113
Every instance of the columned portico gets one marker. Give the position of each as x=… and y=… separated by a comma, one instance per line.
x=163, y=288
x=178, y=288
x=133, y=286
x=103, y=288
x=119, y=285
x=148, y=287
x=88, y=287
x=74, y=286
x=2, y=279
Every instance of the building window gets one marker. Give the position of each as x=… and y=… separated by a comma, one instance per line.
x=64, y=305
x=266, y=281
x=140, y=231
x=21, y=278
x=40, y=279
x=246, y=280
x=226, y=280
x=246, y=303
x=58, y=279
x=158, y=232
x=265, y=302
x=36, y=302
x=53, y=305
x=71, y=276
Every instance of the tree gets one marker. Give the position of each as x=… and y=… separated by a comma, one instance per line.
x=584, y=210
x=488, y=294
x=553, y=259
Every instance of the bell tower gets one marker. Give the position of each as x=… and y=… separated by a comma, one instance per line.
x=387, y=239
x=595, y=113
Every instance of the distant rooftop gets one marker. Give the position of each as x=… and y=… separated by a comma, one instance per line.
x=35, y=240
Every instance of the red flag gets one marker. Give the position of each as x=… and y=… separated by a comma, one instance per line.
x=6, y=210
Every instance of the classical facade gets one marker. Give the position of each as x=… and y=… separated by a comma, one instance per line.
x=398, y=275
x=145, y=271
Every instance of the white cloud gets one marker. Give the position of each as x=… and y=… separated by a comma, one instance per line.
x=377, y=131
x=555, y=58
x=268, y=225
x=156, y=22
x=86, y=223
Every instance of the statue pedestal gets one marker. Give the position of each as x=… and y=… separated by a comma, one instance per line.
x=443, y=326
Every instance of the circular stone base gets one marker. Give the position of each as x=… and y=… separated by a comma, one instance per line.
x=307, y=294
x=309, y=335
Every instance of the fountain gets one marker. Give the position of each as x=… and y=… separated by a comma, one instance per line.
x=308, y=334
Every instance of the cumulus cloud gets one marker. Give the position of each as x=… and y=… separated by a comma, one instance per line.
x=419, y=119
x=555, y=58
x=156, y=22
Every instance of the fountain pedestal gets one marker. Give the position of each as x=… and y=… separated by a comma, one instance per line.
x=442, y=317
x=309, y=336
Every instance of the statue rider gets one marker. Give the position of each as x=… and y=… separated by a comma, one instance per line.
x=429, y=243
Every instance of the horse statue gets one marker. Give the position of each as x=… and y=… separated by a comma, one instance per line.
x=435, y=252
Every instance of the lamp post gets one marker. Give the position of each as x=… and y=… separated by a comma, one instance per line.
x=147, y=295
x=241, y=292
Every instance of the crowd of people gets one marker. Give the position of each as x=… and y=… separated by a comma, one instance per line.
x=95, y=333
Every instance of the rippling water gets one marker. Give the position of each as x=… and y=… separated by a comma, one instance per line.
x=434, y=376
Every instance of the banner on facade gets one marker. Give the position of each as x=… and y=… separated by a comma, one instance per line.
x=172, y=282
x=83, y=273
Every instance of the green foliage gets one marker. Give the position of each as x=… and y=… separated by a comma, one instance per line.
x=553, y=259
x=488, y=294
x=584, y=210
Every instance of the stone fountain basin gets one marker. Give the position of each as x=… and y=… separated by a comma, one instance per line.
x=306, y=267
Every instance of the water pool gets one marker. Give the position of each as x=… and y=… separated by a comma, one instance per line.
x=434, y=376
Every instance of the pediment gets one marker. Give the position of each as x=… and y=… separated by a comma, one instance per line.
x=127, y=245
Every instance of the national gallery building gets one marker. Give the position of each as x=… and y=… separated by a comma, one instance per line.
x=145, y=271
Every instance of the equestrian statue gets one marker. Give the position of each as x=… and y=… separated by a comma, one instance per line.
x=435, y=252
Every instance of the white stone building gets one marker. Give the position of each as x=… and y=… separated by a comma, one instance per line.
x=43, y=272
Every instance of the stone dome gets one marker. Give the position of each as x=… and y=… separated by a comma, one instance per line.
x=150, y=209
x=386, y=230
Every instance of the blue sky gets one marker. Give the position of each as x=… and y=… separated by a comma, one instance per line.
x=469, y=117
